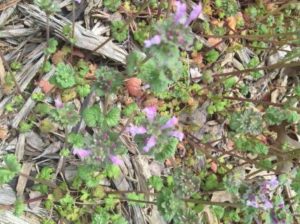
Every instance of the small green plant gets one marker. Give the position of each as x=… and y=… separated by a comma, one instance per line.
x=108, y=80
x=64, y=76
x=212, y=56
x=112, y=5
x=119, y=30
x=10, y=169
x=48, y=6
x=247, y=121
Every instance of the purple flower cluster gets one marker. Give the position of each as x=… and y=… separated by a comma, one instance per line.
x=180, y=17
x=180, y=14
x=261, y=198
x=169, y=126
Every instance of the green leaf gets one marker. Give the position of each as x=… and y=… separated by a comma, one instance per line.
x=212, y=56
x=247, y=121
x=219, y=211
x=296, y=183
x=112, y=171
x=11, y=163
x=111, y=202
x=135, y=196
x=156, y=182
x=52, y=44
x=230, y=82
x=19, y=207
x=76, y=140
x=92, y=116
x=211, y=182
x=119, y=30
x=274, y=116
x=83, y=90
x=130, y=109
x=6, y=175
x=167, y=150
x=64, y=76
x=112, y=5
x=113, y=117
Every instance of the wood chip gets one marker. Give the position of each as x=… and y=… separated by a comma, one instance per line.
x=7, y=195
x=22, y=180
x=20, y=146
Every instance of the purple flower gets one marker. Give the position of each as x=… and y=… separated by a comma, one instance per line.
x=194, y=14
x=150, y=113
x=115, y=160
x=135, y=130
x=58, y=103
x=170, y=123
x=252, y=201
x=155, y=40
x=78, y=1
x=269, y=185
x=81, y=153
x=180, y=12
x=151, y=142
x=273, y=183
x=267, y=204
x=177, y=134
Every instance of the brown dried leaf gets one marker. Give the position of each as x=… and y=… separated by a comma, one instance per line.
x=3, y=133
x=151, y=102
x=58, y=56
x=133, y=86
x=214, y=167
x=92, y=70
x=45, y=85
x=231, y=21
x=2, y=73
x=198, y=58
x=212, y=41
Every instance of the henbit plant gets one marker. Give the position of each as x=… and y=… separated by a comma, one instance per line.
x=49, y=7
x=156, y=135
x=10, y=169
x=119, y=30
x=64, y=76
x=162, y=65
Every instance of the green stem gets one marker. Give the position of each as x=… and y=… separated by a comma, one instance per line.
x=73, y=29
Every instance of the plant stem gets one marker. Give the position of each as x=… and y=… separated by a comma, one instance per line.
x=270, y=67
x=47, y=38
x=73, y=29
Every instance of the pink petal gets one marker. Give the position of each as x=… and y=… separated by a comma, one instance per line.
x=180, y=12
x=150, y=113
x=155, y=40
x=194, y=14
x=151, y=142
x=81, y=153
x=170, y=123
x=177, y=134
x=135, y=130
x=115, y=160
x=58, y=103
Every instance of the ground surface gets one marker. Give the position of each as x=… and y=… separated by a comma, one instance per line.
x=149, y=112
